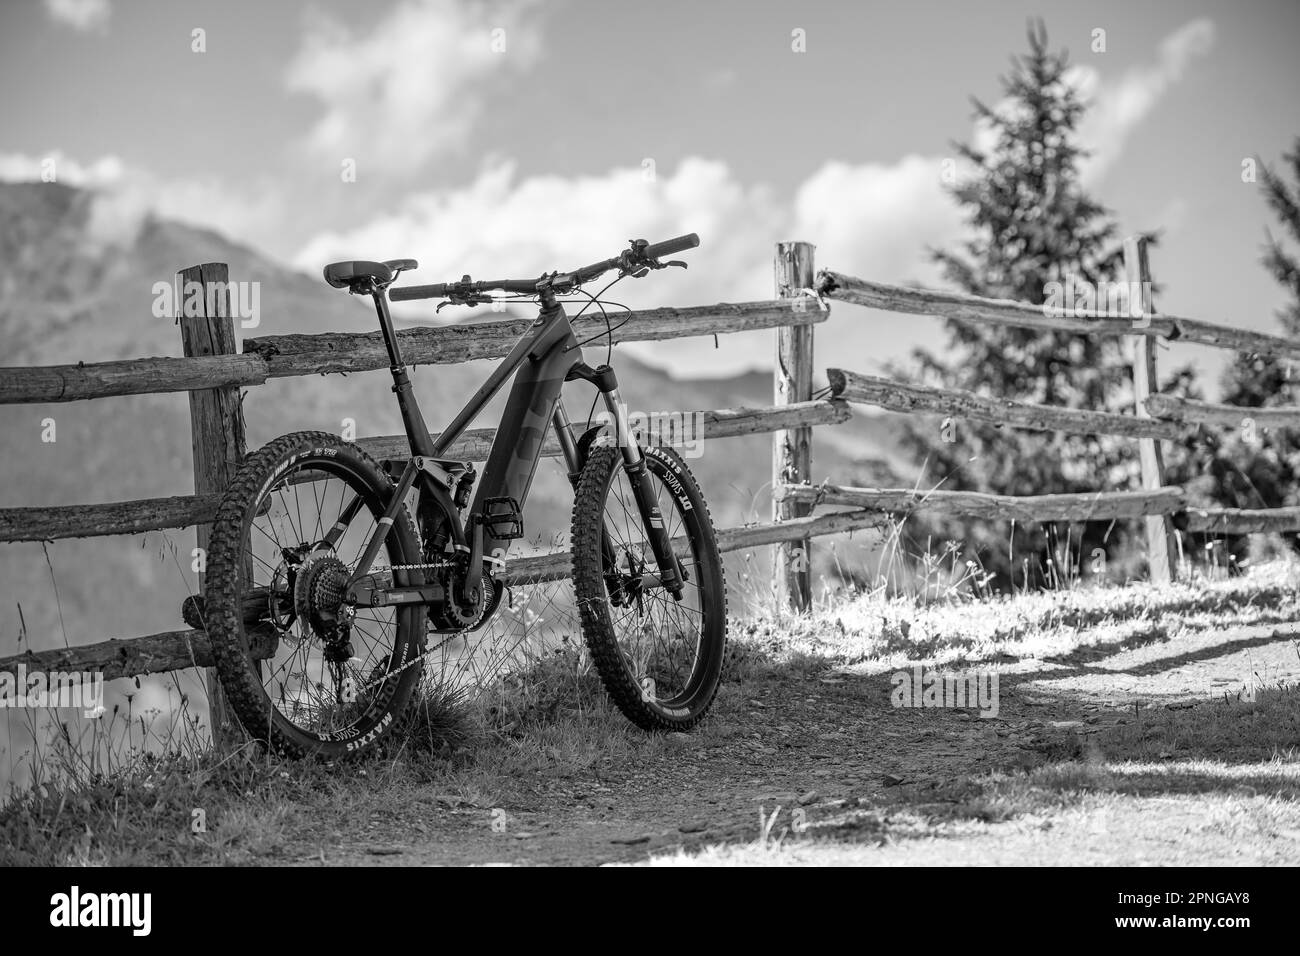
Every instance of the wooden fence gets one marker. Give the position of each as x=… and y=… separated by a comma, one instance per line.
x=213, y=372
x=1156, y=418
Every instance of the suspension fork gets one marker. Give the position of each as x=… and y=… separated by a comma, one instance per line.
x=638, y=476
x=572, y=458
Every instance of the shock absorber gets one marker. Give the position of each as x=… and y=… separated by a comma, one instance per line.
x=463, y=488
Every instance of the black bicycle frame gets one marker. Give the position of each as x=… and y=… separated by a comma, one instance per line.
x=543, y=359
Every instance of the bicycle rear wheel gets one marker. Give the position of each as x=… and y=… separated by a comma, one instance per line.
x=289, y=532
x=660, y=659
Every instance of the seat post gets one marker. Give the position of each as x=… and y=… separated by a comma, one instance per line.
x=386, y=327
x=417, y=432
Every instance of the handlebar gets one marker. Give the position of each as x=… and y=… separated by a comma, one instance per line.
x=671, y=246
x=641, y=255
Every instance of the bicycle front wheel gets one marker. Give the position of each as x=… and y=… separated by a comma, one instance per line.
x=660, y=658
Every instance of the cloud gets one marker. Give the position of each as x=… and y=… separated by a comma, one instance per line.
x=83, y=15
x=1116, y=110
x=877, y=219
x=502, y=224
x=409, y=89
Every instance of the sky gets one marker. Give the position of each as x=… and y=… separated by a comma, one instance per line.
x=512, y=138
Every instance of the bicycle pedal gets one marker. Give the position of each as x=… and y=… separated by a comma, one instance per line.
x=503, y=518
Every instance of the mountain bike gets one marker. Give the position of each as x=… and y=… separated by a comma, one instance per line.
x=327, y=570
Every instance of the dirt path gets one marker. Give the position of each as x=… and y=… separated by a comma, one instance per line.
x=832, y=745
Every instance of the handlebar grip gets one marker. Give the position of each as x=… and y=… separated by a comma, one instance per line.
x=436, y=291
x=670, y=246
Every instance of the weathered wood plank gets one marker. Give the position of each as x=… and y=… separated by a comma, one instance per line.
x=956, y=305
x=1033, y=508
x=133, y=656
x=901, y=397
x=155, y=514
x=118, y=517
x=216, y=432
x=1162, y=543
x=452, y=344
x=796, y=529
x=287, y=355
x=1242, y=520
x=792, y=381
x=1227, y=416
x=556, y=565
x=718, y=423
x=21, y=385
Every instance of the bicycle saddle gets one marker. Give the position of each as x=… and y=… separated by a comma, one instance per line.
x=346, y=275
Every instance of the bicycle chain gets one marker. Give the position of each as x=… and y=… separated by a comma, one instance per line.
x=420, y=658
x=411, y=663
x=414, y=567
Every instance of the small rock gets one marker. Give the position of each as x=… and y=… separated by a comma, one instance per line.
x=523, y=835
x=889, y=780
x=1065, y=724
x=384, y=850
x=695, y=826
x=808, y=798
x=632, y=840
x=679, y=739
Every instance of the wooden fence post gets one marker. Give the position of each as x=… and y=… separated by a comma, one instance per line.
x=792, y=448
x=1162, y=544
x=216, y=424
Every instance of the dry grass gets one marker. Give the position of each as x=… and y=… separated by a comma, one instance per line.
x=1229, y=794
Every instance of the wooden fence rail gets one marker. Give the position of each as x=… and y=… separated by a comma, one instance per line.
x=901, y=397
x=289, y=355
x=1227, y=416
x=156, y=514
x=1030, y=509
x=969, y=308
x=175, y=650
